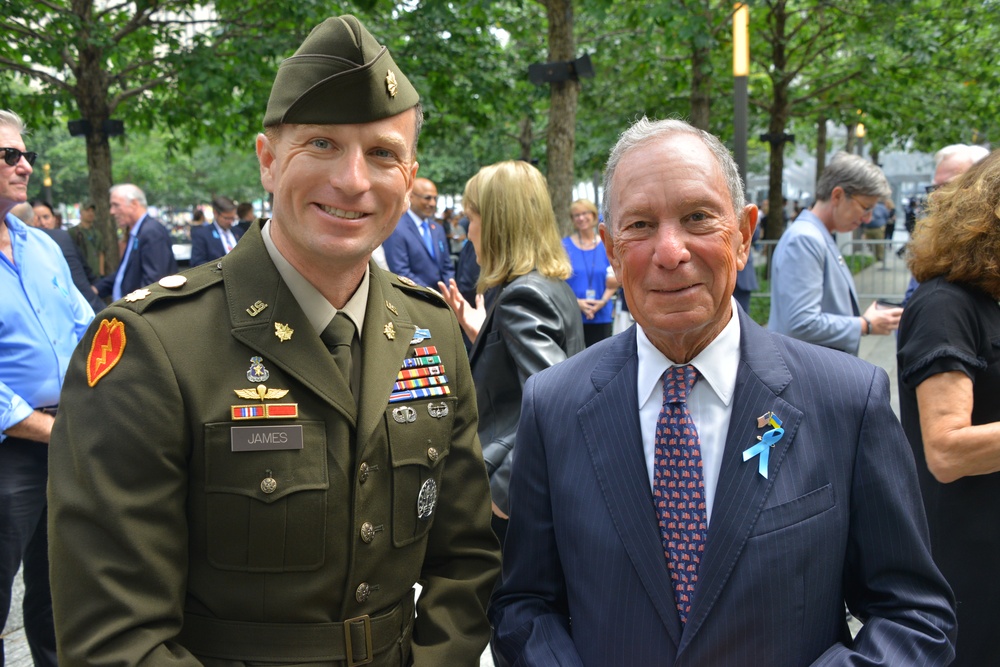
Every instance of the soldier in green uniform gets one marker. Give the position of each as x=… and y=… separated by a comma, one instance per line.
x=256, y=461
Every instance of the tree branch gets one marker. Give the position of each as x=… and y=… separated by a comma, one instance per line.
x=35, y=73
x=133, y=92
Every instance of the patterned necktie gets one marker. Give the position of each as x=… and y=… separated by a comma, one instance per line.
x=425, y=231
x=678, y=487
x=338, y=337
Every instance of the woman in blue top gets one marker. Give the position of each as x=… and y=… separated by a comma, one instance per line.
x=591, y=281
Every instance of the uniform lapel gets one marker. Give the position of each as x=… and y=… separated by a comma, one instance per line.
x=251, y=279
x=383, y=349
x=742, y=491
x=610, y=424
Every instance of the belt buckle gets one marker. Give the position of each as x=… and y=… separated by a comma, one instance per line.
x=366, y=619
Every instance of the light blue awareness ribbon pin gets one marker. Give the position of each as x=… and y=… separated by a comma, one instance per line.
x=763, y=448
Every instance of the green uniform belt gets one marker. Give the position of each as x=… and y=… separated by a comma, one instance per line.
x=356, y=641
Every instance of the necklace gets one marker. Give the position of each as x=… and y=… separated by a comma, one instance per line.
x=589, y=245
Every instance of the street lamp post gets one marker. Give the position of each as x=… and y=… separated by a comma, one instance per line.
x=741, y=72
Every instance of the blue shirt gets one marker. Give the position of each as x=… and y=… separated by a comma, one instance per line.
x=42, y=318
x=590, y=272
x=133, y=241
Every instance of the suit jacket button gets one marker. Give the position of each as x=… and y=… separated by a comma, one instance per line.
x=364, y=590
x=367, y=532
x=363, y=473
x=432, y=454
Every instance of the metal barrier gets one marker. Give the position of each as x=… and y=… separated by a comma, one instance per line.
x=884, y=278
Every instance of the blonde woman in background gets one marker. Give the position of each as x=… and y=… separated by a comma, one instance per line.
x=525, y=318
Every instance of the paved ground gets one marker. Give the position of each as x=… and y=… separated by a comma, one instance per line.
x=887, y=278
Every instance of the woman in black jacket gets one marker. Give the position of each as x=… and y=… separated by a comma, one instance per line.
x=525, y=318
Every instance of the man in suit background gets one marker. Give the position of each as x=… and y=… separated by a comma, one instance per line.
x=418, y=248
x=726, y=523
x=216, y=240
x=148, y=254
x=812, y=289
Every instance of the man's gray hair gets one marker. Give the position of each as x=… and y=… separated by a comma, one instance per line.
x=855, y=175
x=645, y=131
x=973, y=153
x=130, y=193
x=13, y=121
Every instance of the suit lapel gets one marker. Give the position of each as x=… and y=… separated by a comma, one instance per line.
x=742, y=491
x=381, y=356
x=845, y=272
x=251, y=277
x=610, y=424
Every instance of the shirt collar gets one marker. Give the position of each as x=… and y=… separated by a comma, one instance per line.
x=135, y=228
x=717, y=363
x=318, y=310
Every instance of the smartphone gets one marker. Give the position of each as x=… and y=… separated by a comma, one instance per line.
x=885, y=303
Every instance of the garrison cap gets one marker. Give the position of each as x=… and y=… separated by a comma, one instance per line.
x=340, y=74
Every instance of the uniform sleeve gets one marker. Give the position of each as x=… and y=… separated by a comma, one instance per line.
x=890, y=581
x=118, y=532
x=463, y=557
x=797, y=291
x=530, y=612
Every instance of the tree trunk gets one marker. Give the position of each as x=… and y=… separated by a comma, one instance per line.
x=820, y=146
x=525, y=138
x=776, y=126
x=701, y=78
x=562, y=114
x=851, y=138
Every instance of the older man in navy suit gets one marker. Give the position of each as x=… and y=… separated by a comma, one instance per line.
x=698, y=491
x=148, y=254
x=418, y=248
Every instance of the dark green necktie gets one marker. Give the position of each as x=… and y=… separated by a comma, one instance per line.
x=338, y=337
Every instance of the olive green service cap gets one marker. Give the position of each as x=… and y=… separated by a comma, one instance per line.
x=340, y=74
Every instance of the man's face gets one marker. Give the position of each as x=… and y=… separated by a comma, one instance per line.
x=13, y=180
x=850, y=211
x=423, y=201
x=225, y=219
x=678, y=243
x=87, y=216
x=338, y=189
x=126, y=212
x=43, y=218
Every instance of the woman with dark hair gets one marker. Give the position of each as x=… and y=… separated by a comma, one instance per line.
x=525, y=318
x=949, y=395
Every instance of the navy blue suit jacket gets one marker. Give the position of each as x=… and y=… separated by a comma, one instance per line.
x=150, y=259
x=838, y=519
x=406, y=254
x=206, y=244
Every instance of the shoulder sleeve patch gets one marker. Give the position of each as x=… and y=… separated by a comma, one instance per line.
x=105, y=350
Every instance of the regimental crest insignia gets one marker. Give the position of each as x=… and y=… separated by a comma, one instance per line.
x=105, y=350
x=257, y=372
x=390, y=83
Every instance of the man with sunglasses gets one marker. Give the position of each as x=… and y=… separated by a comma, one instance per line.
x=812, y=290
x=418, y=248
x=42, y=317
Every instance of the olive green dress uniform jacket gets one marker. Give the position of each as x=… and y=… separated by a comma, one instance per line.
x=166, y=548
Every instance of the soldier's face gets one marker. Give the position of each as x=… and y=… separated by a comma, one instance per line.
x=338, y=189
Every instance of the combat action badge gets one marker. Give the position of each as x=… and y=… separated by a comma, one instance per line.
x=105, y=350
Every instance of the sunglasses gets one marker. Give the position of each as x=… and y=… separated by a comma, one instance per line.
x=12, y=156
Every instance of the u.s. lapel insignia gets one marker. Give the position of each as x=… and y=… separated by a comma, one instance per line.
x=257, y=308
x=763, y=448
x=137, y=295
x=392, y=308
x=419, y=336
x=257, y=372
x=390, y=83
x=389, y=331
x=283, y=331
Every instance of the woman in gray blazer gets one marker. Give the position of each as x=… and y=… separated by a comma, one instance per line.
x=525, y=318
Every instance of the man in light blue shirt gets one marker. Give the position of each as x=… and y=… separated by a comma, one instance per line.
x=42, y=317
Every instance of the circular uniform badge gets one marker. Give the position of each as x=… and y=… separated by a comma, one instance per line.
x=427, y=499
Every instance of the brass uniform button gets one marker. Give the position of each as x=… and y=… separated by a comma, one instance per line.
x=432, y=454
x=364, y=590
x=367, y=532
x=268, y=485
x=363, y=473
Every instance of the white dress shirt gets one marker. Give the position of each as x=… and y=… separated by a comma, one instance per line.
x=710, y=400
